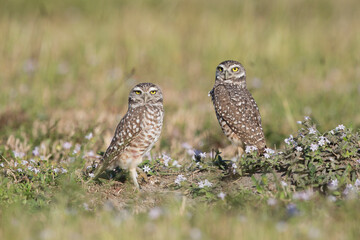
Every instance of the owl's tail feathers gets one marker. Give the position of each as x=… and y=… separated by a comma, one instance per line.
x=99, y=170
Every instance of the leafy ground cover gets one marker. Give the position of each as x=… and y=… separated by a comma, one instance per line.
x=66, y=68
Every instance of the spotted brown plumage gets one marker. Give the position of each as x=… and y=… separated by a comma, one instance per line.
x=235, y=108
x=137, y=131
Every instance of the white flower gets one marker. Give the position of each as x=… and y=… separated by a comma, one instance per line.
x=299, y=122
x=188, y=148
x=67, y=145
x=91, y=175
x=190, y=151
x=1, y=165
x=77, y=149
x=201, y=184
x=166, y=159
x=180, y=178
x=207, y=183
x=284, y=184
x=349, y=189
x=186, y=145
x=90, y=154
x=340, y=127
x=146, y=168
x=19, y=170
x=333, y=184
x=303, y=195
x=176, y=164
x=289, y=140
x=36, y=171
x=155, y=213
x=323, y=140
x=271, y=201
x=299, y=149
x=314, y=147
x=222, y=195
x=202, y=155
x=234, y=167
x=18, y=154
x=357, y=183
x=269, y=150
x=30, y=168
x=312, y=131
x=63, y=170
x=198, y=164
x=24, y=162
x=307, y=118
x=86, y=206
x=332, y=132
x=89, y=136
x=35, y=152
x=56, y=170
x=32, y=160
x=250, y=149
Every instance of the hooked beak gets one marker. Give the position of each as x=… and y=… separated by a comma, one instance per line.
x=145, y=97
x=226, y=75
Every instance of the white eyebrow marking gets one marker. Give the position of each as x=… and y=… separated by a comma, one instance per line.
x=153, y=89
x=234, y=65
x=137, y=89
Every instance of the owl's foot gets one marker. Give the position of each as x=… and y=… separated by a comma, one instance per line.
x=133, y=177
x=240, y=152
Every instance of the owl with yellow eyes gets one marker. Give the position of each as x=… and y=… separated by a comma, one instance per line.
x=137, y=131
x=235, y=108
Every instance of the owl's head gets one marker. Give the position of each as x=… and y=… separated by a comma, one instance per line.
x=145, y=93
x=231, y=71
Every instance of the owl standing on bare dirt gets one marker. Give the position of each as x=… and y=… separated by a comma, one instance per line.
x=235, y=108
x=137, y=131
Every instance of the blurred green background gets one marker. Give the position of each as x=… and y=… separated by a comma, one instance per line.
x=62, y=58
x=66, y=68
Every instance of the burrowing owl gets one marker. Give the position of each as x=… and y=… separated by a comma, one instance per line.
x=235, y=108
x=137, y=131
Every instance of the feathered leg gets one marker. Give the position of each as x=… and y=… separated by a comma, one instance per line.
x=134, y=176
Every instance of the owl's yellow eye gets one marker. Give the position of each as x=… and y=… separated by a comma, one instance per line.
x=137, y=92
x=152, y=92
x=220, y=69
x=235, y=69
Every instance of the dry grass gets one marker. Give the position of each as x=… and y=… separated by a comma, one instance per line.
x=66, y=68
